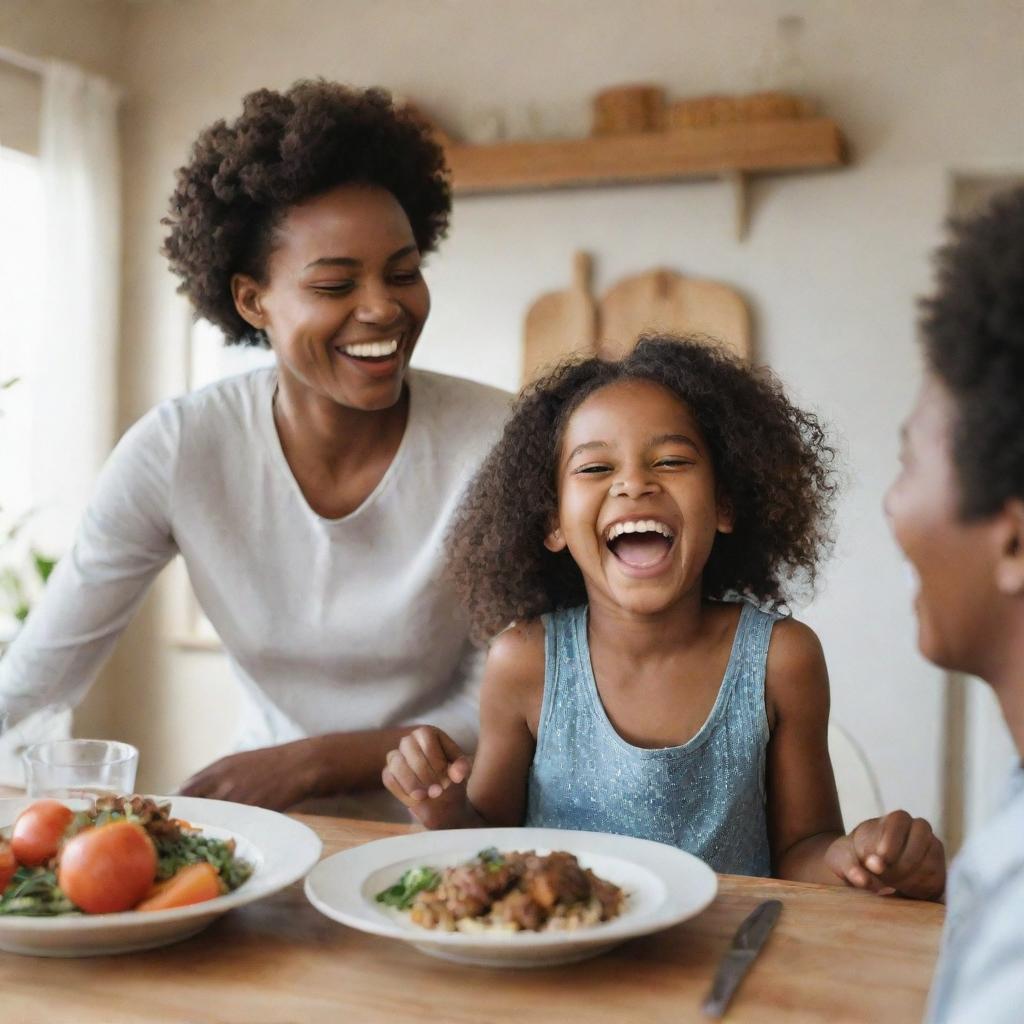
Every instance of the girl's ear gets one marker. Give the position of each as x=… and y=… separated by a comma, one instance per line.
x=554, y=541
x=1010, y=560
x=246, y=293
x=726, y=515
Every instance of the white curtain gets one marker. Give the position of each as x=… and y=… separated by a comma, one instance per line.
x=74, y=369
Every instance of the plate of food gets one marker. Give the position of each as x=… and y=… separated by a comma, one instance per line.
x=132, y=873
x=511, y=897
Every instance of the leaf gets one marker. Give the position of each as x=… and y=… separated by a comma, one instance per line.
x=44, y=566
x=404, y=891
x=9, y=383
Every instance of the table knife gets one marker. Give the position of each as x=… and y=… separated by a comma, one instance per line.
x=746, y=944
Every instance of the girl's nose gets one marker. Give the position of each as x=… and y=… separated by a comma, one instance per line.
x=634, y=484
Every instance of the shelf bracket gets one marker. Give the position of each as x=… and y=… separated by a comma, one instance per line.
x=740, y=183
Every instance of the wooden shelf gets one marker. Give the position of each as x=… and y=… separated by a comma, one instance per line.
x=720, y=151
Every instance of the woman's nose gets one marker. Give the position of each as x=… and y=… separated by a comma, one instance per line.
x=378, y=306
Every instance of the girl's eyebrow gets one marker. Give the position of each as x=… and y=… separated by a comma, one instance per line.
x=678, y=438
x=586, y=446
x=347, y=261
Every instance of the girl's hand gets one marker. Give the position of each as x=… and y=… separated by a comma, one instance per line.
x=895, y=853
x=428, y=773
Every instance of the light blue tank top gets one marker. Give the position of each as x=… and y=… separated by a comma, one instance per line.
x=706, y=797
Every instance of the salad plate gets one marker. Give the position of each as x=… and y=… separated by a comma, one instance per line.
x=280, y=850
x=663, y=886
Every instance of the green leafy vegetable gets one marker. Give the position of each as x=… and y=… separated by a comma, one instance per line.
x=491, y=858
x=404, y=891
x=33, y=892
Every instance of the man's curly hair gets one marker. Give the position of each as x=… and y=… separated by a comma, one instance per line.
x=771, y=460
x=974, y=341
x=287, y=147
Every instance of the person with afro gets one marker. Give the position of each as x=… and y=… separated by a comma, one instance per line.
x=957, y=511
x=308, y=500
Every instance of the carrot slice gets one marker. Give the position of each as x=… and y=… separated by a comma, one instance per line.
x=193, y=884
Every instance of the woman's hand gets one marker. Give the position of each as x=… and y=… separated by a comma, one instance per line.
x=895, y=853
x=428, y=773
x=274, y=777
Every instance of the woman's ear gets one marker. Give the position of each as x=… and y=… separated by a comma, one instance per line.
x=246, y=292
x=1010, y=560
x=554, y=541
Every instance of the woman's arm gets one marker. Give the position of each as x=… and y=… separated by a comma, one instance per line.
x=431, y=776
x=893, y=853
x=123, y=541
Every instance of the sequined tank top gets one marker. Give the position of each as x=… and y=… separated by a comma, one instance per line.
x=706, y=797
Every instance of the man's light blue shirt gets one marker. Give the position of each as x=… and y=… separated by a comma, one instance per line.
x=980, y=975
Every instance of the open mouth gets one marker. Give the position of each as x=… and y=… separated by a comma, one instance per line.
x=370, y=351
x=639, y=543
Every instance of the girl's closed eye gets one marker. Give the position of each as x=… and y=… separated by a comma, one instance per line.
x=593, y=468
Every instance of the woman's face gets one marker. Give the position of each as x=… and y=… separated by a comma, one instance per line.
x=637, y=505
x=344, y=302
x=951, y=558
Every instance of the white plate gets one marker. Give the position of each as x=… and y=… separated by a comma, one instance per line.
x=664, y=886
x=281, y=850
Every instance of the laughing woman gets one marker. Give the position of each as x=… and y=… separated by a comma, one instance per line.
x=308, y=500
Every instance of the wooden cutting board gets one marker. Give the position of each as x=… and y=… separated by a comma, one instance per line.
x=665, y=301
x=561, y=323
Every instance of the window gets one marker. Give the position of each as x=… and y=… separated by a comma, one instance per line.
x=21, y=299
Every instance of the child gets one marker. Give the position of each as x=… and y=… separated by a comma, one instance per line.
x=625, y=509
x=957, y=510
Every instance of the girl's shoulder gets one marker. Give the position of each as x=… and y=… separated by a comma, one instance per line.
x=795, y=675
x=515, y=657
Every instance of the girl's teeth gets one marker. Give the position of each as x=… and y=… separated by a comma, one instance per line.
x=373, y=349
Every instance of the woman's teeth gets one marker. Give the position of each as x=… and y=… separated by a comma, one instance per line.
x=372, y=349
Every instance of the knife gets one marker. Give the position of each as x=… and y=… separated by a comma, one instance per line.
x=746, y=944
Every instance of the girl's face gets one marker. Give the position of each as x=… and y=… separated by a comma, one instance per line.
x=344, y=301
x=953, y=560
x=637, y=502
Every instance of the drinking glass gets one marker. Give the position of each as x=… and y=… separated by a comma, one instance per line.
x=80, y=770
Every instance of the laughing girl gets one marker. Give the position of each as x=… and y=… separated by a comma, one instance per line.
x=640, y=523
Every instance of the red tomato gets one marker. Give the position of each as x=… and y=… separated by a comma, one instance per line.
x=107, y=868
x=8, y=865
x=39, y=830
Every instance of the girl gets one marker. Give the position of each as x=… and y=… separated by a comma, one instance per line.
x=636, y=522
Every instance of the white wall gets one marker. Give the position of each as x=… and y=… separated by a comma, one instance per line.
x=831, y=265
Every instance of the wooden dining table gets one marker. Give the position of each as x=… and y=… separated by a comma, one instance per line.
x=836, y=955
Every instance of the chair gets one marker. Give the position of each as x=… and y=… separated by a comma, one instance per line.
x=860, y=796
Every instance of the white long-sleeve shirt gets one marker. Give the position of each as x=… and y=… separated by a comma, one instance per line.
x=330, y=625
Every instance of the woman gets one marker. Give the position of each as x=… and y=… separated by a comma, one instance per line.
x=957, y=511
x=308, y=500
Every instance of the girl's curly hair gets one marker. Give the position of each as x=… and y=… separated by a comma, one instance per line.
x=974, y=341
x=771, y=460
x=287, y=147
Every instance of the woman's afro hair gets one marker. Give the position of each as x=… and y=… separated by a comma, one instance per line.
x=772, y=464
x=973, y=331
x=287, y=147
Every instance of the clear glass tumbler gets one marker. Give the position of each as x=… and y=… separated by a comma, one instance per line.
x=80, y=769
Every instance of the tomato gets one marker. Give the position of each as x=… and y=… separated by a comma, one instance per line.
x=8, y=865
x=107, y=868
x=38, y=831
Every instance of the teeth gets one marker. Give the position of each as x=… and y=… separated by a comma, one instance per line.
x=372, y=348
x=638, y=526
